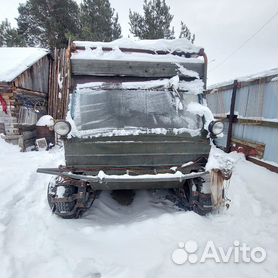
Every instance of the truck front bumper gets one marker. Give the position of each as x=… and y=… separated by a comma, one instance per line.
x=102, y=178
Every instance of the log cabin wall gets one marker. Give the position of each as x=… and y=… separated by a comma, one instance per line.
x=36, y=77
x=23, y=102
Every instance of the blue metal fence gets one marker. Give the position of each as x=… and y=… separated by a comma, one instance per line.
x=256, y=108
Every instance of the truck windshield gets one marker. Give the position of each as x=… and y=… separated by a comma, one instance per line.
x=117, y=109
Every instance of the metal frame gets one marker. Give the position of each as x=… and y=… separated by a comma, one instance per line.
x=171, y=177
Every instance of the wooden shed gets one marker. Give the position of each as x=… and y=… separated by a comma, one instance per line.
x=24, y=86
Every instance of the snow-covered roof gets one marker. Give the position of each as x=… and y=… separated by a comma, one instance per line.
x=117, y=55
x=179, y=45
x=15, y=60
x=126, y=49
x=131, y=57
x=247, y=78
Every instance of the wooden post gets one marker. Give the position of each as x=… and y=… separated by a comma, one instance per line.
x=231, y=117
x=68, y=78
x=202, y=53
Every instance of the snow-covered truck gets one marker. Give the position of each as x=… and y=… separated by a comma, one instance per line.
x=137, y=120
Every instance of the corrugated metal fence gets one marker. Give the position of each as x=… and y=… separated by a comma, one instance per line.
x=255, y=125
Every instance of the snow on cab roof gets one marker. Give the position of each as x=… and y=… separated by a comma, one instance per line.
x=126, y=49
x=179, y=45
x=15, y=60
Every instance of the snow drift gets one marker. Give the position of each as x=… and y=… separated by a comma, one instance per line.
x=116, y=241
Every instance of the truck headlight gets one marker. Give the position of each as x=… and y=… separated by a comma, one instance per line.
x=62, y=128
x=216, y=127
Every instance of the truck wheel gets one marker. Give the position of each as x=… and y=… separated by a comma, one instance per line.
x=65, y=210
x=199, y=201
x=192, y=196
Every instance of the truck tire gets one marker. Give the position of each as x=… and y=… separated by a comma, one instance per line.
x=190, y=197
x=199, y=202
x=63, y=209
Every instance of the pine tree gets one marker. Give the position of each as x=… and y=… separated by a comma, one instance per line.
x=98, y=21
x=116, y=28
x=170, y=34
x=155, y=23
x=185, y=33
x=48, y=23
x=9, y=36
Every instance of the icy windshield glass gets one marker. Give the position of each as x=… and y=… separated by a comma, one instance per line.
x=118, y=109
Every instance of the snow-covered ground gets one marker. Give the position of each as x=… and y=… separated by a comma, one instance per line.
x=134, y=241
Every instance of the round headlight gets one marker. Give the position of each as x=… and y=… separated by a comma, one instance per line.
x=62, y=128
x=216, y=127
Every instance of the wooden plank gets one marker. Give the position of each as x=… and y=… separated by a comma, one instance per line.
x=64, y=86
x=258, y=123
x=68, y=80
x=49, y=106
x=263, y=164
x=249, y=148
x=56, y=88
x=5, y=88
x=130, y=68
x=250, y=121
x=29, y=92
x=7, y=94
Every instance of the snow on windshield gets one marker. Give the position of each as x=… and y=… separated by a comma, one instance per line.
x=131, y=109
x=159, y=106
x=191, y=87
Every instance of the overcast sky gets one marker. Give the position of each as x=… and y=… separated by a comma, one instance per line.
x=221, y=26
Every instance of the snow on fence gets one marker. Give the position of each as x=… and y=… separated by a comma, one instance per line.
x=248, y=108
